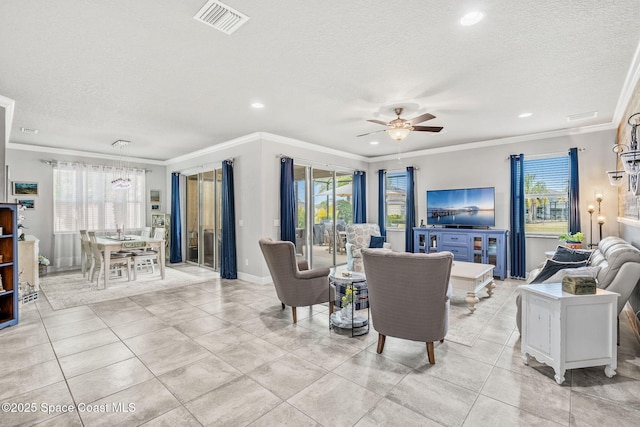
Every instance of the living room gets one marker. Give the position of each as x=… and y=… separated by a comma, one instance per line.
x=327, y=368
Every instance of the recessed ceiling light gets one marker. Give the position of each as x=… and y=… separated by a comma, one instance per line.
x=374, y=143
x=525, y=115
x=27, y=130
x=471, y=18
x=257, y=105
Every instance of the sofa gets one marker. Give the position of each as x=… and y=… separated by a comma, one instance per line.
x=358, y=238
x=619, y=269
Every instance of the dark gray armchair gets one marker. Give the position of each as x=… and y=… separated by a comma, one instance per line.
x=409, y=295
x=295, y=284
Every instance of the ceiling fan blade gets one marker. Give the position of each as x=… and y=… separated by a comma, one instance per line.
x=422, y=118
x=380, y=122
x=428, y=128
x=382, y=130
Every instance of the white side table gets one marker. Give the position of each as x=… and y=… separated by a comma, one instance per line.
x=567, y=331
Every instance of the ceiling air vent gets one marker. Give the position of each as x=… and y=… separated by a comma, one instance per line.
x=221, y=17
x=582, y=116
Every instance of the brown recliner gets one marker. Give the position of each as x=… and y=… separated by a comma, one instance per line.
x=409, y=295
x=295, y=284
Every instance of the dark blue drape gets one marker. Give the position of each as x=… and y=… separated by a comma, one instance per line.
x=287, y=201
x=382, y=219
x=410, y=211
x=516, y=218
x=359, y=197
x=574, y=192
x=229, y=262
x=175, y=248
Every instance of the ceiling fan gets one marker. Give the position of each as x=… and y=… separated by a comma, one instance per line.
x=399, y=128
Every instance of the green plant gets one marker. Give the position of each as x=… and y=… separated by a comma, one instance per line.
x=349, y=295
x=568, y=237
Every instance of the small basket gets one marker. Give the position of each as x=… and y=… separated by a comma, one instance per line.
x=28, y=293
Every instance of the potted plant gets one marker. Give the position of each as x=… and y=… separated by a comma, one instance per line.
x=572, y=241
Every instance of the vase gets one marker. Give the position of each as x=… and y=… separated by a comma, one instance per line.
x=346, y=313
x=573, y=245
x=42, y=270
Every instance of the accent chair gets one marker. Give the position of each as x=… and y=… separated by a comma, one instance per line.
x=409, y=295
x=295, y=284
x=358, y=238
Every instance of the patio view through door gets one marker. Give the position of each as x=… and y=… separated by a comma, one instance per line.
x=204, y=218
x=325, y=207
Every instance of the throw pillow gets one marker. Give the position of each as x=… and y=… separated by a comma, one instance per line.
x=580, y=271
x=376, y=242
x=564, y=254
x=551, y=267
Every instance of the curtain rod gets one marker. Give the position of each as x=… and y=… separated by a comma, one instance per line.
x=313, y=162
x=557, y=153
x=194, y=169
x=399, y=170
x=56, y=163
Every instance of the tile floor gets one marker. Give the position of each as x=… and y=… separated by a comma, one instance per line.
x=224, y=353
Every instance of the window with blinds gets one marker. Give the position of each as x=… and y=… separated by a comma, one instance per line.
x=83, y=198
x=395, y=199
x=546, y=191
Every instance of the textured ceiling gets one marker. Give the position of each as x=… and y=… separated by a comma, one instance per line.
x=87, y=73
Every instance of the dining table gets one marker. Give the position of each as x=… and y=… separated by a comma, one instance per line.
x=115, y=243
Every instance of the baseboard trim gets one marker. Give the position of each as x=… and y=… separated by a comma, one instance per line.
x=633, y=320
x=255, y=279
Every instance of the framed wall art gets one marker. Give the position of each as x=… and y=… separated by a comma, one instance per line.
x=154, y=196
x=21, y=188
x=29, y=204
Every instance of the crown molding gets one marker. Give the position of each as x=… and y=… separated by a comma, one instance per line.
x=258, y=136
x=309, y=146
x=8, y=105
x=628, y=88
x=65, y=152
x=500, y=141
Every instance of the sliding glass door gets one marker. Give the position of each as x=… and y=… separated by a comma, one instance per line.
x=204, y=221
x=325, y=207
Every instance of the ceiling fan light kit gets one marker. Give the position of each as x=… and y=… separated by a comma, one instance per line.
x=400, y=128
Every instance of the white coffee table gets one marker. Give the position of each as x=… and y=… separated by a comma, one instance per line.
x=471, y=277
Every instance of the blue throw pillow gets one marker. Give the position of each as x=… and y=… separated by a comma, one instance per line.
x=551, y=267
x=564, y=254
x=376, y=242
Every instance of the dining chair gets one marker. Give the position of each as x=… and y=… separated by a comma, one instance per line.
x=86, y=257
x=145, y=259
x=117, y=261
x=146, y=232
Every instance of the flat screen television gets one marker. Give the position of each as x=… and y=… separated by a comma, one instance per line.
x=463, y=207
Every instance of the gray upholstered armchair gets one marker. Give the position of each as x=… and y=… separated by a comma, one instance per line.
x=358, y=238
x=409, y=295
x=295, y=284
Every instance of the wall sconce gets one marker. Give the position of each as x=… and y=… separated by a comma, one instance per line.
x=630, y=158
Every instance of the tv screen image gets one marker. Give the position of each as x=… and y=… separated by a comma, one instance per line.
x=466, y=207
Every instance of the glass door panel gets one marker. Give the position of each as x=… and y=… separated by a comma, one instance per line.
x=204, y=218
x=207, y=218
x=492, y=250
x=300, y=186
x=193, y=203
x=323, y=211
x=343, y=214
x=477, y=249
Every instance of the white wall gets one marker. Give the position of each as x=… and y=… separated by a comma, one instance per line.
x=489, y=167
x=257, y=177
x=257, y=181
x=28, y=166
